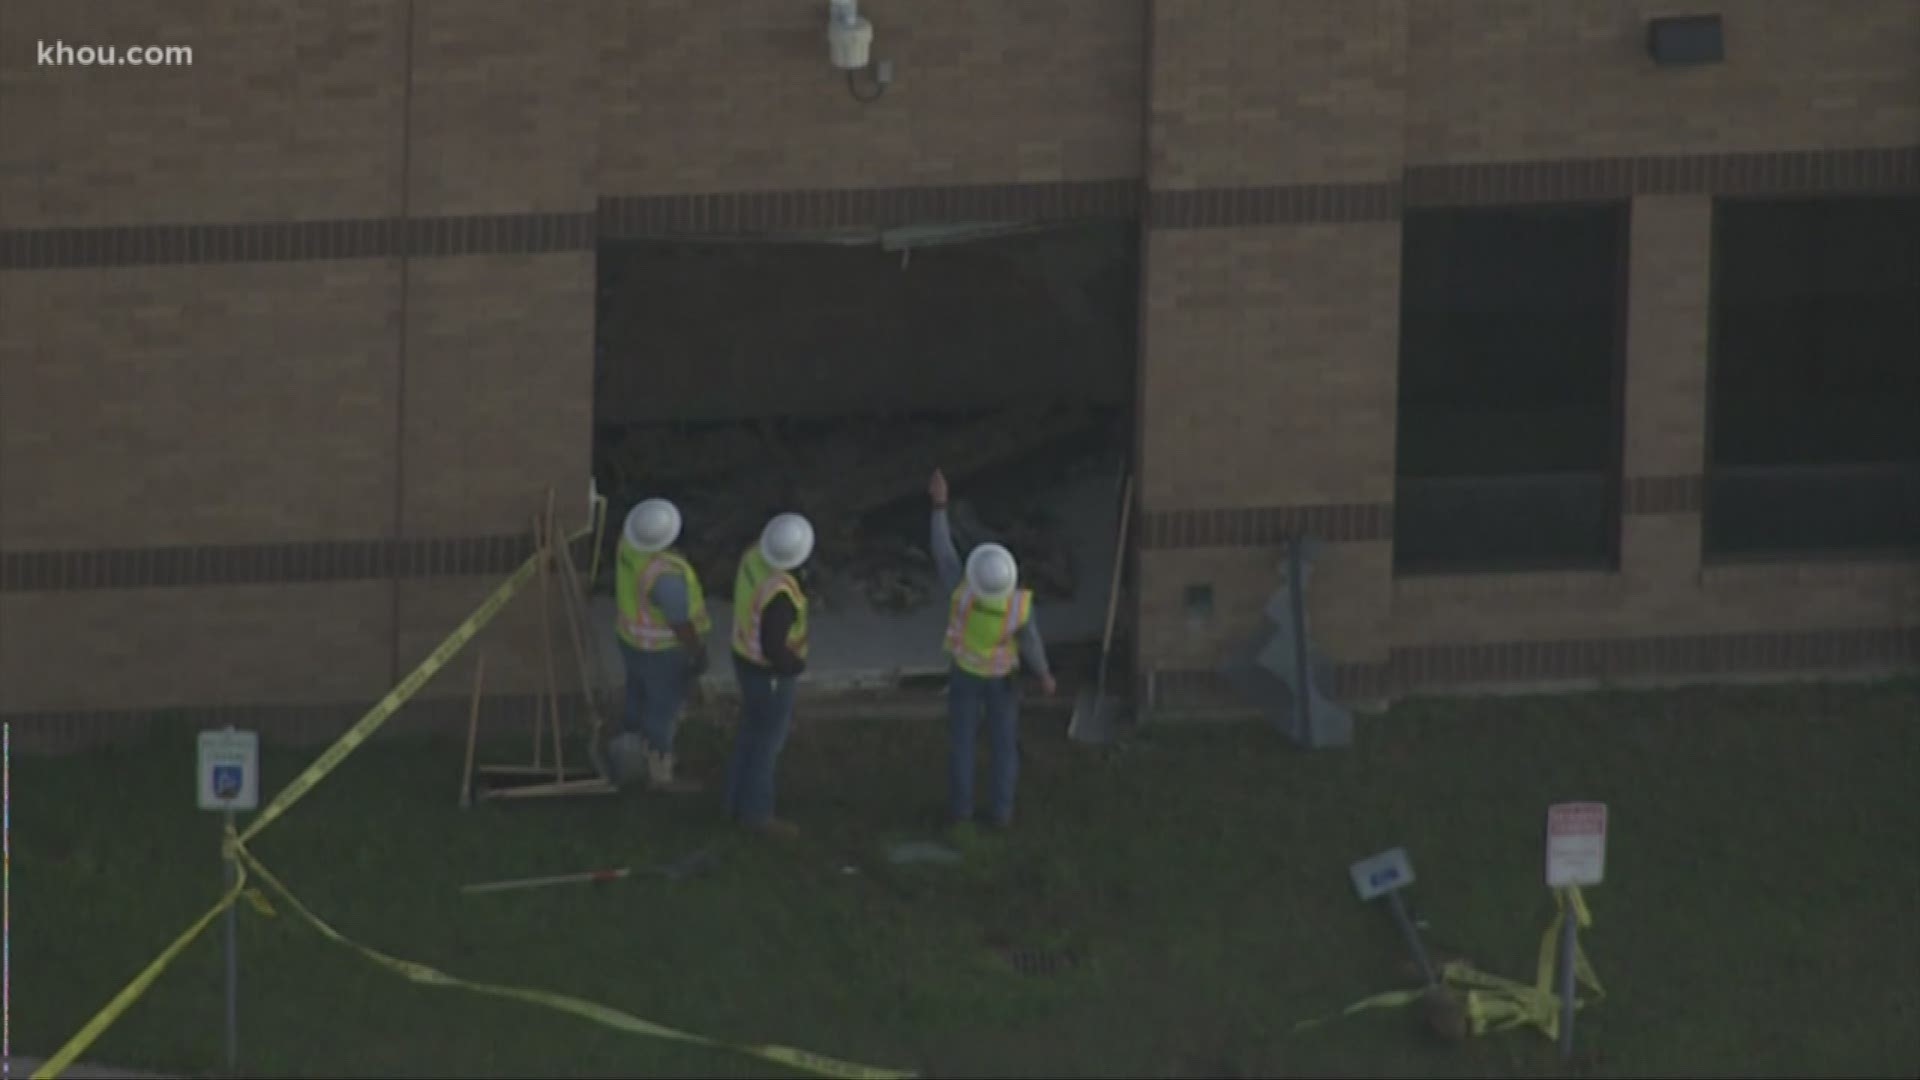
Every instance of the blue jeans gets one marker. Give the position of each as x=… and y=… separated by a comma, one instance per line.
x=968, y=696
x=766, y=716
x=657, y=684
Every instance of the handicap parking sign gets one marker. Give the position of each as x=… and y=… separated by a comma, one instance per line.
x=229, y=770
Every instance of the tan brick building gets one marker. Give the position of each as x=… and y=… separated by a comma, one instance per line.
x=293, y=339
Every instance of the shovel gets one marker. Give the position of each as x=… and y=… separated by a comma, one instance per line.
x=1092, y=720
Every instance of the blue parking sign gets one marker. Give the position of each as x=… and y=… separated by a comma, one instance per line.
x=227, y=774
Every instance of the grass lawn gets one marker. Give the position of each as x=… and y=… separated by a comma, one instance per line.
x=1758, y=916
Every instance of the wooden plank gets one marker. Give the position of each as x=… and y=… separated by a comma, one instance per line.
x=588, y=877
x=580, y=627
x=529, y=771
x=547, y=540
x=565, y=787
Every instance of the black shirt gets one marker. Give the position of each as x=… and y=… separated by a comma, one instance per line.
x=776, y=622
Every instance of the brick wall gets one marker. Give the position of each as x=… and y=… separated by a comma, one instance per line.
x=180, y=648
x=193, y=399
x=209, y=416
x=1670, y=249
x=1514, y=80
x=1269, y=354
x=697, y=99
x=504, y=110
x=1255, y=93
x=1268, y=382
x=1720, y=600
x=499, y=392
x=1269, y=366
x=1288, y=120
x=157, y=406
x=289, y=113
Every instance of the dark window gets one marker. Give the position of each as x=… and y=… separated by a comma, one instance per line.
x=1508, y=451
x=1814, y=422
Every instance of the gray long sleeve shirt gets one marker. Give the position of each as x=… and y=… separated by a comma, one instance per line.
x=670, y=595
x=1033, y=651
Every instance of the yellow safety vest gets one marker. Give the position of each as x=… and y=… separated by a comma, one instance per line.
x=754, y=587
x=642, y=624
x=982, y=634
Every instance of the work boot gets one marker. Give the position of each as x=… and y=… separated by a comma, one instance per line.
x=626, y=756
x=660, y=776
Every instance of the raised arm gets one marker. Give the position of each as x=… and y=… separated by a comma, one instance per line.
x=945, y=556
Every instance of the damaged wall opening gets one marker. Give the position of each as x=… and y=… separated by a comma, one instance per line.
x=830, y=373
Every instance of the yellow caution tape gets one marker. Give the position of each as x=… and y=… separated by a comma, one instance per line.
x=362, y=730
x=300, y=786
x=131, y=992
x=383, y=710
x=1495, y=1003
x=805, y=1060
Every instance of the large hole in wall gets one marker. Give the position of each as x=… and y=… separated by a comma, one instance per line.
x=830, y=374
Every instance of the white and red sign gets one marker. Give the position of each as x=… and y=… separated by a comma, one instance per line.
x=1576, y=844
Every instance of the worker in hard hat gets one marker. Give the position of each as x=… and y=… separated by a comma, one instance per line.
x=990, y=630
x=662, y=626
x=769, y=654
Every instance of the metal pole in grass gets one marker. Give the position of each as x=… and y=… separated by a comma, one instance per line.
x=1576, y=859
x=227, y=775
x=230, y=873
x=1569, y=926
x=1387, y=874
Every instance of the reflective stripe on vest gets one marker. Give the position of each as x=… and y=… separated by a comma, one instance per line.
x=982, y=635
x=754, y=587
x=642, y=624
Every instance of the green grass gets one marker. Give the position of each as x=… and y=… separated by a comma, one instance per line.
x=1758, y=916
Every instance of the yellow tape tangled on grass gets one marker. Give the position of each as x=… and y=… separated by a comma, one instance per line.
x=586, y=1010
x=363, y=729
x=1495, y=1003
x=131, y=992
x=325, y=764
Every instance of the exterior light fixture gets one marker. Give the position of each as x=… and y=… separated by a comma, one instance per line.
x=850, y=49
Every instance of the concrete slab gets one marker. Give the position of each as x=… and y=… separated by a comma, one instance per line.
x=856, y=647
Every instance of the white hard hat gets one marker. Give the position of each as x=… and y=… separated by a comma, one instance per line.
x=653, y=525
x=787, y=541
x=991, y=571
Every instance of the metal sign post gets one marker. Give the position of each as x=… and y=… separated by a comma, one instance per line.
x=1576, y=857
x=230, y=874
x=1568, y=928
x=227, y=776
x=1386, y=874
